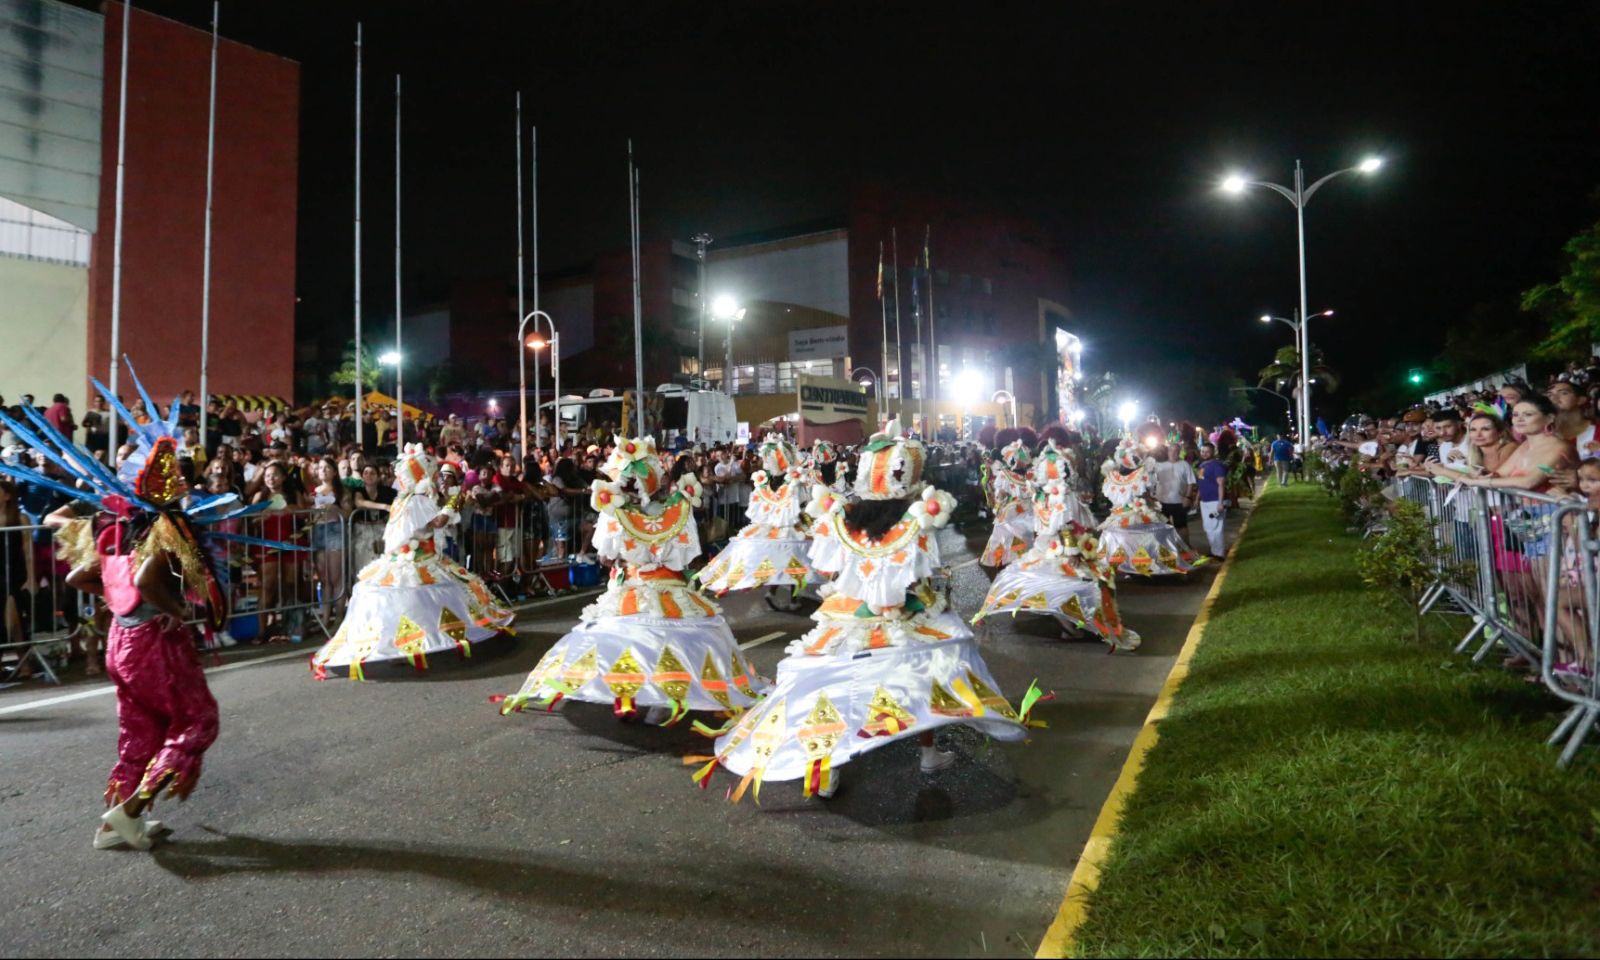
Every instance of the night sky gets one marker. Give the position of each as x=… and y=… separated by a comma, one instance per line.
x=1110, y=124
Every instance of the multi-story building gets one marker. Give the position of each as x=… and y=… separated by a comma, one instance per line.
x=58, y=193
x=807, y=303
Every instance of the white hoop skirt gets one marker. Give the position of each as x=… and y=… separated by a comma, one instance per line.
x=409, y=610
x=1055, y=588
x=1012, y=534
x=1147, y=549
x=760, y=556
x=633, y=660
x=823, y=712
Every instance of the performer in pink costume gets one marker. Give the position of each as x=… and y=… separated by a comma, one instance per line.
x=165, y=712
x=150, y=559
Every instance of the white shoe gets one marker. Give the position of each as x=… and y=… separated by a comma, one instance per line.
x=110, y=839
x=832, y=788
x=934, y=759
x=130, y=830
x=657, y=715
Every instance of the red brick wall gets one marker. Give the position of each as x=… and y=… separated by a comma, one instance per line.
x=253, y=213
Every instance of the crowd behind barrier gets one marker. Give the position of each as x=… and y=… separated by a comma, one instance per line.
x=1519, y=565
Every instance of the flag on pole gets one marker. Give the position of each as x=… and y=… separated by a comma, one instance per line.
x=927, y=258
x=916, y=301
x=880, y=269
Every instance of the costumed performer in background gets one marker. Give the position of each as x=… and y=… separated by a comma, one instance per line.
x=1134, y=538
x=887, y=658
x=651, y=640
x=771, y=549
x=413, y=600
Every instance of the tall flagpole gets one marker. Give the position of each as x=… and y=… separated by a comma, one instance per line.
x=638, y=304
x=359, y=384
x=400, y=357
x=205, y=270
x=883, y=360
x=922, y=365
x=116, y=235
x=933, y=331
x=899, y=341
x=555, y=362
x=522, y=310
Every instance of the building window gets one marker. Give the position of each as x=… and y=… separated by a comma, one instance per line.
x=966, y=282
x=988, y=286
x=30, y=235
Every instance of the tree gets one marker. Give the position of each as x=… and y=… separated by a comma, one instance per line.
x=345, y=376
x=1285, y=368
x=1571, y=305
x=453, y=375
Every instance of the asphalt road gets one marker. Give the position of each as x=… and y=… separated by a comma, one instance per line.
x=407, y=817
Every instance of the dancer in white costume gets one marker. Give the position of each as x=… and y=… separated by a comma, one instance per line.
x=825, y=466
x=771, y=550
x=1008, y=496
x=413, y=600
x=1134, y=538
x=1062, y=574
x=886, y=659
x=651, y=640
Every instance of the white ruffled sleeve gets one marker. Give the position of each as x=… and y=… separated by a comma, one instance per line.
x=408, y=521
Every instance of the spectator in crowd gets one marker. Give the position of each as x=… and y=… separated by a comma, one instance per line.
x=331, y=502
x=95, y=426
x=16, y=577
x=280, y=572
x=452, y=434
x=1282, y=454
x=60, y=416
x=188, y=410
x=1541, y=453
x=1572, y=414
x=1212, y=485
x=1174, y=487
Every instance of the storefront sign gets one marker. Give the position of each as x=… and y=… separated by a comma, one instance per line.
x=822, y=343
x=826, y=400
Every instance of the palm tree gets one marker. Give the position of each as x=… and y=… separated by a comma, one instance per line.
x=1285, y=368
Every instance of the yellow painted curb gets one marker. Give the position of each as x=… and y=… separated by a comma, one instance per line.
x=1074, y=910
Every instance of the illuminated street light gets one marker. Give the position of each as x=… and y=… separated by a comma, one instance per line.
x=389, y=358
x=726, y=308
x=1126, y=413
x=1300, y=195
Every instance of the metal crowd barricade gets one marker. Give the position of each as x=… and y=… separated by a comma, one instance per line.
x=39, y=613
x=1523, y=566
x=1572, y=625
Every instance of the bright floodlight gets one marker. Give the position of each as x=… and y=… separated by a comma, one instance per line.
x=1370, y=164
x=1265, y=318
x=969, y=383
x=1075, y=416
x=1234, y=184
x=1126, y=412
x=724, y=307
x=389, y=358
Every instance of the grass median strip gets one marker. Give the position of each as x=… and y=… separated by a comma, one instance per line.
x=1324, y=785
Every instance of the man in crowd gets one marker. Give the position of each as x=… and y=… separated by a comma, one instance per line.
x=1175, y=484
x=1212, y=486
x=1282, y=453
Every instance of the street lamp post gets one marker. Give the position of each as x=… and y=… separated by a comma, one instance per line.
x=522, y=376
x=1300, y=346
x=702, y=240
x=877, y=390
x=1300, y=196
x=726, y=308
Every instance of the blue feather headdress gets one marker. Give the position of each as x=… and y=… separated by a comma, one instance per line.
x=145, y=493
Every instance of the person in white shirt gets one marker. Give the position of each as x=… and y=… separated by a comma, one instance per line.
x=1450, y=435
x=1174, y=486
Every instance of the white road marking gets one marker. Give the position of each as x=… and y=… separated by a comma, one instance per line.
x=758, y=641
x=102, y=691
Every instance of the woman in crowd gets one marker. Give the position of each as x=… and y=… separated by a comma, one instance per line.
x=331, y=502
x=566, y=489
x=16, y=573
x=279, y=573
x=1489, y=444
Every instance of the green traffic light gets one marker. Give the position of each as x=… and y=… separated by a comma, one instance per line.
x=1416, y=378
